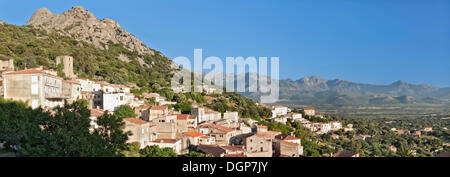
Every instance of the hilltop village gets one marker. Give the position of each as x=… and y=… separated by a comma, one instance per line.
x=219, y=134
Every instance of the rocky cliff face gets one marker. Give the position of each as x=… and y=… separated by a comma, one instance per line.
x=83, y=26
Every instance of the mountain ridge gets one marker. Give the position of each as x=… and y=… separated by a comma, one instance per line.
x=311, y=90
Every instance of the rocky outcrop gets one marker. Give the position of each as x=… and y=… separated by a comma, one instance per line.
x=1, y=22
x=82, y=25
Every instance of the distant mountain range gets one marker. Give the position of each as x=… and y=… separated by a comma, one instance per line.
x=313, y=90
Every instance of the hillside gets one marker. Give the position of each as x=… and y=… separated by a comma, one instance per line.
x=103, y=51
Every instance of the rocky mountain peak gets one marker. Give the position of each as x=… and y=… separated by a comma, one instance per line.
x=80, y=13
x=82, y=25
x=313, y=82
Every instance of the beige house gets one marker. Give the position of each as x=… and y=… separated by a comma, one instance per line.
x=261, y=143
x=191, y=123
x=221, y=134
x=71, y=90
x=207, y=140
x=38, y=87
x=165, y=130
x=288, y=146
x=258, y=145
x=140, y=130
x=157, y=112
x=182, y=122
x=427, y=129
x=192, y=138
x=143, y=112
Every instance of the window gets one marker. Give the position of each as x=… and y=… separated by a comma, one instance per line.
x=142, y=131
x=34, y=89
x=262, y=149
x=34, y=79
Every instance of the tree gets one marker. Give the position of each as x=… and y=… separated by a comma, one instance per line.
x=125, y=111
x=197, y=154
x=155, y=151
x=64, y=133
x=156, y=86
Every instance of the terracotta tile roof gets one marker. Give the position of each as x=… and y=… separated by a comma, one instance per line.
x=143, y=107
x=158, y=107
x=27, y=71
x=31, y=71
x=182, y=116
x=170, y=141
x=135, y=120
x=211, y=149
x=285, y=137
x=215, y=126
x=289, y=143
x=193, y=134
x=96, y=112
x=308, y=109
x=268, y=134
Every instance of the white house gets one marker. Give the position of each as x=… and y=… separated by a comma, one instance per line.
x=279, y=111
x=167, y=143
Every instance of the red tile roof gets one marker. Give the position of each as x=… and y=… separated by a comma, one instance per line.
x=171, y=141
x=215, y=126
x=158, y=107
x=285, y=137
x=182, y=116
x=96, y=112
x=211, y=149
x=193, y=134
x=289, y=143
x=308, y=109
x=135, y=120
x=143, y=107
x=31, y=71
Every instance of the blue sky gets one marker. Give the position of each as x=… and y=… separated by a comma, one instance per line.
x=375, y=42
